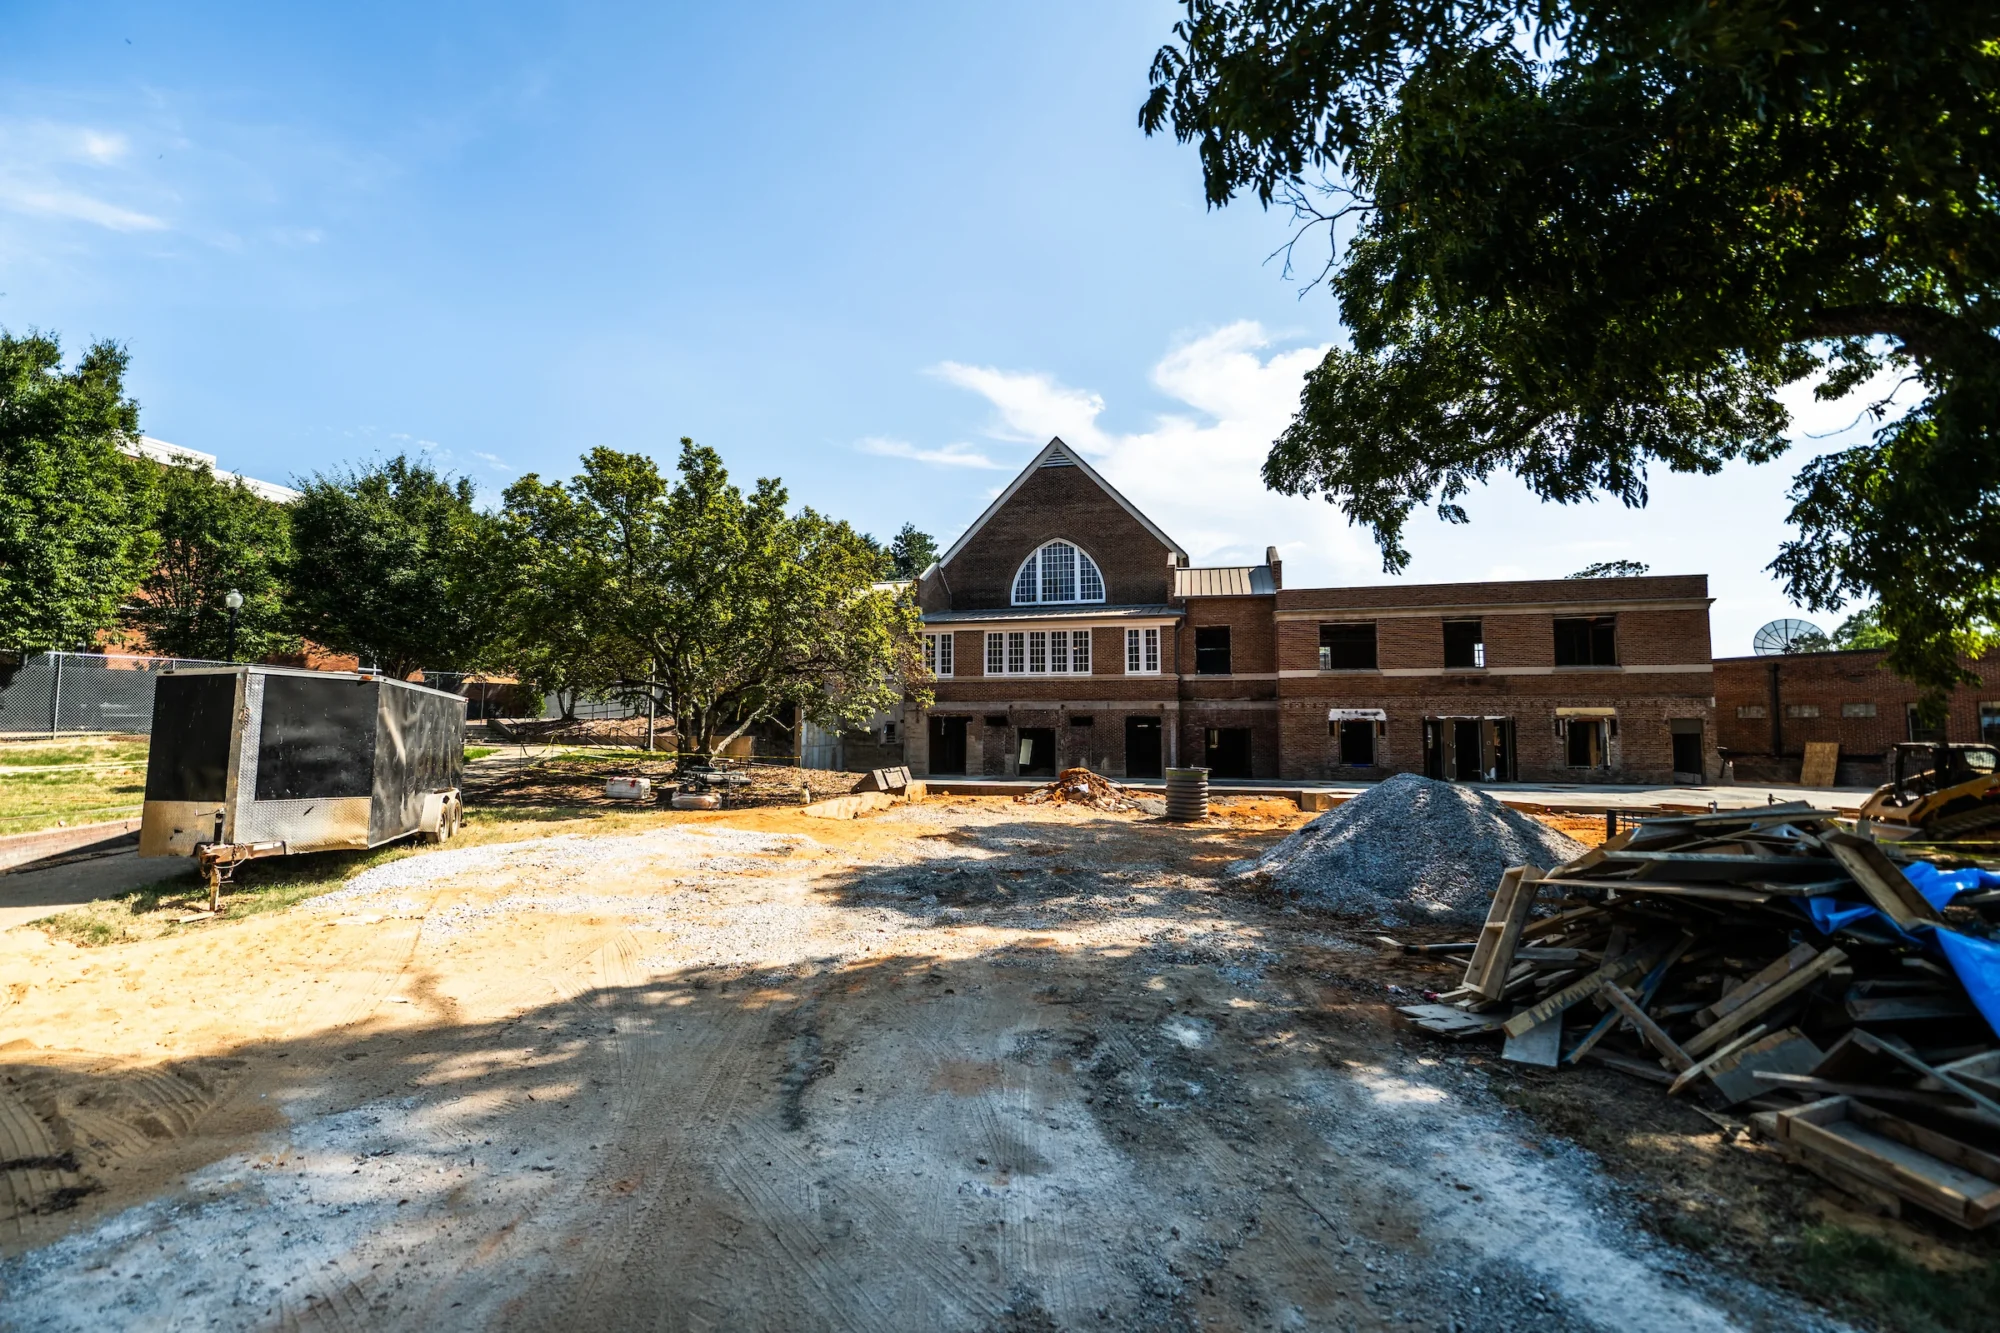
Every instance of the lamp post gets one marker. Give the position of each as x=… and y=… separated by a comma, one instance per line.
x=234, y=601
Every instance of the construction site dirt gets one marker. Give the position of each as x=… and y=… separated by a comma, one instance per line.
x=963, y=1064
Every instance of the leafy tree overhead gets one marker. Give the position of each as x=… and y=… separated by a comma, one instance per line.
x=392, y=563
x=214, y=536
x=911, y=553
x=724, y=607
x=1612, y=569
x=1863, y=629
x=73, y=508
x=1577, y=239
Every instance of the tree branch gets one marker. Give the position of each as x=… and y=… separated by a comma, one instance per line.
x=1929, y=334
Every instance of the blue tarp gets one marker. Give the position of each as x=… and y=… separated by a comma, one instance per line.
x=1976, y=961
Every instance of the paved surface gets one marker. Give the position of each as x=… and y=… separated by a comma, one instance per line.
x=30, y=895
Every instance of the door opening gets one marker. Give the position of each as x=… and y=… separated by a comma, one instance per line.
x=947, y=745
x=1142, y=747
x=1037, y=754
x=1467, y=759
x=1229, y=752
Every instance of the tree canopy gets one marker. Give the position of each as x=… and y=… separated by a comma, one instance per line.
x=73, y=508
x=911, y=553
x=724, y=607
x=392, y=563
x=215, y=537
x=1612, y=569
x=1578, y=239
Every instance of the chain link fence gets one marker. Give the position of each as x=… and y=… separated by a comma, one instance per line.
x=57, y=694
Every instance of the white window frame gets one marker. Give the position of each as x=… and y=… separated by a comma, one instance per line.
x=937, y=654
x=1043, y=567
x=1142, y=651
x=1059, y=652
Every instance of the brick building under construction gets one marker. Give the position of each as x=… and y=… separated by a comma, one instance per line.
x=1065, y=628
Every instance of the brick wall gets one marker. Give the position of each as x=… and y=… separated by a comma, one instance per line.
x=1053, y=502
x=1824, y=682
x=1252, y=632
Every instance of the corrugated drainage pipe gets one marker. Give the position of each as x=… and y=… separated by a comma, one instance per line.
x=1187, y=793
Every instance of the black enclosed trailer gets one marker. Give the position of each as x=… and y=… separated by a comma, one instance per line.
x=254, y=761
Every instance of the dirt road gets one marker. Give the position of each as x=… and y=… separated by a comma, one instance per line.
x=960, y=1066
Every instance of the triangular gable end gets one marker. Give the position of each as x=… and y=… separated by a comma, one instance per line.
x=1055, y=454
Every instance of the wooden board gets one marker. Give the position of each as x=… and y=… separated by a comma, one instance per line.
x=1822, y=762
x=1493, y=953
x=1734, y=1076
x=1446, y=1020
x=1737, y=996
x=1882, y=880
x=1937, y=1173
x=1766, y=999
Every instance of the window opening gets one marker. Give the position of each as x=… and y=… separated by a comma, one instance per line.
x=937, y=654
x=1868, y=710
x=1017, y=652
x=1464, y=644
x=1587, y=641
x=1347, y=647
x=1586, y=744
x=1079, y=651
x=1211, y=650
x=996, y=654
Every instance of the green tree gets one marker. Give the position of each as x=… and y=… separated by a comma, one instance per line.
x=214, y=537
x=1863, y=629
x=73, y=509
x=1577, y=239
x=393, y=563
x=911, y=553
x=723, y=607
x=554, y=564
x=1612, y=569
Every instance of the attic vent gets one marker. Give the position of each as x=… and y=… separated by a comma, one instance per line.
x=1057, y=458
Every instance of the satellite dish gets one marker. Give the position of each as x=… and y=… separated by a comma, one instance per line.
x=1787, y=636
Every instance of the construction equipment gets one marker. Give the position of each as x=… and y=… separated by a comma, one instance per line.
x=1936, y=792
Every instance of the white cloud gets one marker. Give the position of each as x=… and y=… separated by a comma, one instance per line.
x=951, y=455
x=62, y=203
x=40, y=162
x=493, y=461
x=1194, y=472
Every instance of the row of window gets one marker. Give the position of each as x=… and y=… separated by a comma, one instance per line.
x=1583, y=641
x=1913, y=723
x=1579, y=641
x=1054, y=652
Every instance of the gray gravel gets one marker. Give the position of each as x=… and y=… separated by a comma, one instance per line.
x=1409, y=849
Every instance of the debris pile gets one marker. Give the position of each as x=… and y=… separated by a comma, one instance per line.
x=1773, y=963
x=1408, y=849
x=1080, y=786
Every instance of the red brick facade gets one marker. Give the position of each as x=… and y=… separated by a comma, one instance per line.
x=1847, y=698
x=1263, y=707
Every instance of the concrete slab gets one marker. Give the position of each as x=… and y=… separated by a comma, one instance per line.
x=30, y=895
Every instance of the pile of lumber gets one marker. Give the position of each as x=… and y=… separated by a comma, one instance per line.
x=1774, y=964
x=1080, y=786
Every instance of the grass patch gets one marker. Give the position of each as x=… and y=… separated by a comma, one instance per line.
x=473, y=752
x=1899, y=1293
x=80, y=782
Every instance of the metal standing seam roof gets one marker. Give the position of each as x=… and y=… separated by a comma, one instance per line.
x=1224, y=581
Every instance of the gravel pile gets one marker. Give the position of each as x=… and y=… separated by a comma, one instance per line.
x=1409, y=849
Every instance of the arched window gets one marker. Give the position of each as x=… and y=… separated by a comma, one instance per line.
x=1058, y=572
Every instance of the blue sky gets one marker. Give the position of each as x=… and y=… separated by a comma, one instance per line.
x=881, y=251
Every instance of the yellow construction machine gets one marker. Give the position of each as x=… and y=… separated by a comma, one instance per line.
x=1938, y=793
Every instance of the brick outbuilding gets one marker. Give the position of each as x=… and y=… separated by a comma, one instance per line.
x=1064, y=627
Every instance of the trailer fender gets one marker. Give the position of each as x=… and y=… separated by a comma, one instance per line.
x=441, y=816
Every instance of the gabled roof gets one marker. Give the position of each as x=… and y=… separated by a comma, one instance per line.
x=1054, y=454
x=1228, y=581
